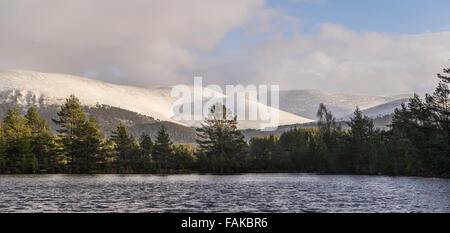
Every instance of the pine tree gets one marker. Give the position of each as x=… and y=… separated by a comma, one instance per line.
x=264, y=153
x=42, y=141
x=120, y=137
x=439, y=108
x=402, y=143
x=221, y=141
x=361, y=126
x=19, y=152
x=439, y=105
x=146, y=144
x=71, y=120
x=162, y=150
x=146, y=147
x=445, y=78
x=91, y=144
x=125, y=147
x=183, y=157
x=361, y=131
x=2, y=153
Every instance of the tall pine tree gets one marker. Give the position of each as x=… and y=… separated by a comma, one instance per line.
x=91, y=144
x=17, y=136
x=71, y=120
x=3, y=158
x=125, y=148
x=146, y=144
x=162, y=150
x=221, y=141
x=42, y=141
x=439, y=106
x=361, y=131
x=446, y=76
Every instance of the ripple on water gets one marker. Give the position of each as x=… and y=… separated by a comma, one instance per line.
x=214, y=193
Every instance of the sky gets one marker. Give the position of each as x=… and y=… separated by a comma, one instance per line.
x=372, y=47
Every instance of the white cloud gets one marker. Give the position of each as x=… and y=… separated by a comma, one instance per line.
x=149, y=41
x=143, y=42
x=343, y=60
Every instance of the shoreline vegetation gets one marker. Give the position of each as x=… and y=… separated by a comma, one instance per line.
x=417, y=144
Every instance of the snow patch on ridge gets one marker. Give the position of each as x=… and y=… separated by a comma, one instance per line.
x=29, y=88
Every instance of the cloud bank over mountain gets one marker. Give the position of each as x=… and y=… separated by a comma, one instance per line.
x=342, y=60
x=161, y=43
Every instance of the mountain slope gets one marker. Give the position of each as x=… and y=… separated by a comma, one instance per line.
x=306, y=102
x=33, y=88
x=45, y=91
x=380, y=110
x=110, y=117
x=28, y=88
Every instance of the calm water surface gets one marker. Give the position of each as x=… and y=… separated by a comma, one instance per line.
x=216, y=193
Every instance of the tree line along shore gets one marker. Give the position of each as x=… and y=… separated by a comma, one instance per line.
x=416, y=144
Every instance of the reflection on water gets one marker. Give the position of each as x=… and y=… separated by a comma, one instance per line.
x=215, y=193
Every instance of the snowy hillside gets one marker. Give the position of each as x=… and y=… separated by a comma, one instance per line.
x=380, y=110
x=28, y=88
x=306, y=102
x=34, y=88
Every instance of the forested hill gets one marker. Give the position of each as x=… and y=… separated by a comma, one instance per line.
x=416, y=143
x=110, y=117
x=381, y=122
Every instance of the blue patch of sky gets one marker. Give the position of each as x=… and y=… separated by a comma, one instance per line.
x=385, y=16
x=389, y=16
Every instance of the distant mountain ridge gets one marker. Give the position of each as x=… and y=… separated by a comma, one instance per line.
x=29, y=88
x=306, y=102
x=110, y=117
x=380, y=110
x=146, y=109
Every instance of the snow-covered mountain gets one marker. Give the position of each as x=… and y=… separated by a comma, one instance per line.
x=380, y=110
x=306, y=102
x=39, y=89
x=29, y=88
